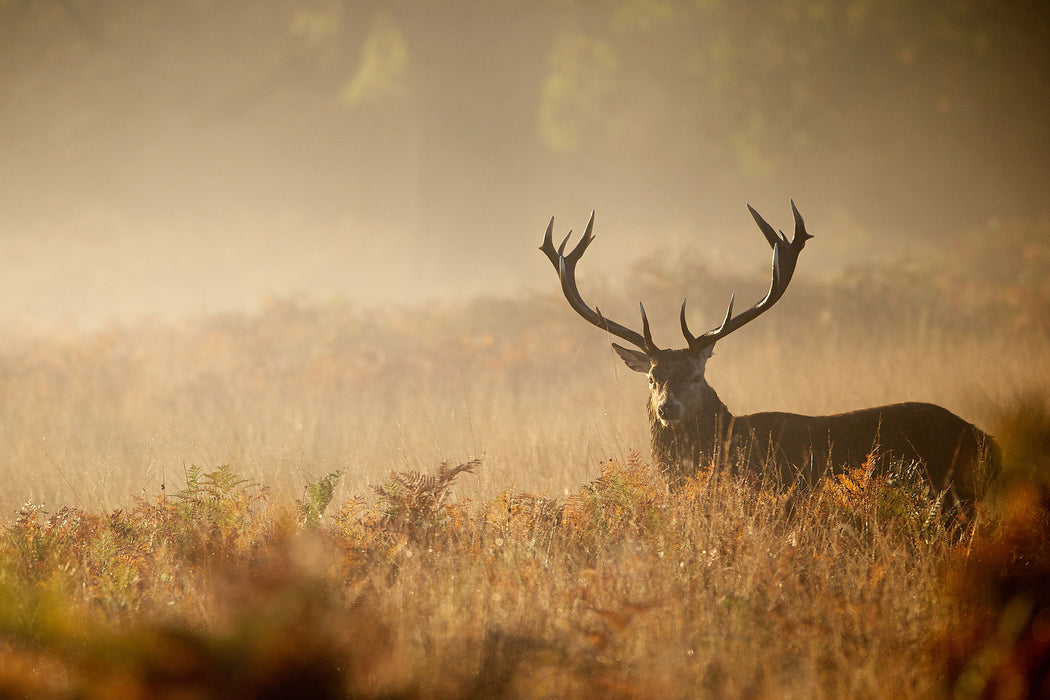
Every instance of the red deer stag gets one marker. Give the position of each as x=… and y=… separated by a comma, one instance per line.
x=690, y=426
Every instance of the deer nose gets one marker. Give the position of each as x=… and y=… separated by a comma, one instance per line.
x=672, y=410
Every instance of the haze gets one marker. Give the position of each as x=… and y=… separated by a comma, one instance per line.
x=186, y=157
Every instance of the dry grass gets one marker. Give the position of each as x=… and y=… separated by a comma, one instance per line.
x=299, y=391
x=722, y=589
x=561, y=566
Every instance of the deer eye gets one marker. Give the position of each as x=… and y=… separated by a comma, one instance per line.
x=696, y=379
x=652, y=382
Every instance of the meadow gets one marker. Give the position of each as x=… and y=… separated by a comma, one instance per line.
x=454, y=500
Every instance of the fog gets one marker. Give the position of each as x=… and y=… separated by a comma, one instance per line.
x=186, y=157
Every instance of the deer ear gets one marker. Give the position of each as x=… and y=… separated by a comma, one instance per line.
x=635, y=359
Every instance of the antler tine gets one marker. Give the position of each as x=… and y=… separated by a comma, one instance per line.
x=565, y=264
x=588, y=237
x=800, y=225
x=691, y=339
x=685, y=326
x=789, y=254
x=647, y=336
x=768, y=231
x=548, y=245
x=561, y=248
x=785, y=255
x=553, y=254
x=729, y=312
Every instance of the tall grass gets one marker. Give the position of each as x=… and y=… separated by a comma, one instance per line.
x=245, y=506
x=301, y=390
x=724, y=588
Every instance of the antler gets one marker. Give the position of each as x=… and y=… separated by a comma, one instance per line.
x=785, y=255
x=566, y=268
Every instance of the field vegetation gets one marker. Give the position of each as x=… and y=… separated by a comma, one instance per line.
x=327, y=500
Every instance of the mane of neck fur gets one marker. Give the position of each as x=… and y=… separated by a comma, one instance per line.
x=699, y=440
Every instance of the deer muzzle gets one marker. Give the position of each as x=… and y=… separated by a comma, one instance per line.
x=668, y=411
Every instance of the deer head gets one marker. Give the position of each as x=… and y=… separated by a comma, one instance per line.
x=678, y=393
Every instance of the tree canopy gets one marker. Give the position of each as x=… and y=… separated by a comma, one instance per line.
x=455, y=122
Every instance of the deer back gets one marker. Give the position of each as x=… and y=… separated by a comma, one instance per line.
x=808, y=447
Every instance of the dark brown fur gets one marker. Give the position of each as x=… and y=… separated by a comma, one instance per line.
x=790, y=447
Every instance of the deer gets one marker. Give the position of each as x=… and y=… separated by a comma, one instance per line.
x=692, y=428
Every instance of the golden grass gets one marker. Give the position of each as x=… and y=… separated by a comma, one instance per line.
x=724, y=588
x=144, y=557
x=298, y=391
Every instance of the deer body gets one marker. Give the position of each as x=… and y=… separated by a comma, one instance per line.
x=690, y=427
x=789, y=447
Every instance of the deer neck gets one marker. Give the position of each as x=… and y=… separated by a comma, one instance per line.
x=698, y=440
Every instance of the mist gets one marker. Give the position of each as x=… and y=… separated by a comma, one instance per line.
x=181, y=158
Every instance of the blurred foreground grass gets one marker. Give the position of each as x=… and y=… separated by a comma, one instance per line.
x=725, y=588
